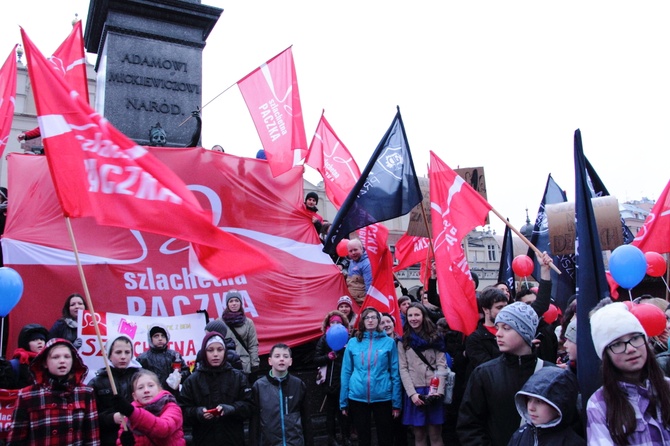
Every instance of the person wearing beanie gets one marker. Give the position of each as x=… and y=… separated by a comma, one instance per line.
x=311, y=200
x=243, y=330
x=346, y=306
x=163, y=361
x=329, y=362
x=216, y=398
x=488, y=414
x=123, y=366
x=32, y=339
x=633, y=405
x=218, y=326
x=58, y=408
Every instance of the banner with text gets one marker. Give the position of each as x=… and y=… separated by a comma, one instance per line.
x=142, y=274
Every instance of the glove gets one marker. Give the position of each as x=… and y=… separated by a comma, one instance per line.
x=332, y=356
x=122, y=406
x=174, y=379
x=226, y=409
x=127, y=438
x=77, y=343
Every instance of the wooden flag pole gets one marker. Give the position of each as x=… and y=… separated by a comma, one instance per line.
x=89, y=302
x=525, y=240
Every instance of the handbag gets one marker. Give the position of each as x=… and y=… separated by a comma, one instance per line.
x=449, y=379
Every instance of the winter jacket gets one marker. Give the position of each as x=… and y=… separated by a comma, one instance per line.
x=102, y=389
x=65, y=329
x=23, y=356
x=480, y=347
x=559, y=389
x=160, y=360
x=334, y=368
x=597, y=432
x=164, y=429
x=488, y=415
x=663, y=360
x=415, y=373
x=280, y=413
x=209, y=387
x=248, y=355
x=370, y=371
x=362, y=268
x=56, y=412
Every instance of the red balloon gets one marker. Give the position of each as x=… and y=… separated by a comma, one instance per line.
x=522, y=265
x=656, y=265
x=342, y=248
x=651, y=317
x=551, y=314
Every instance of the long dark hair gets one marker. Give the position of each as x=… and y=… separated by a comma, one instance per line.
x=619, y=414
x=66, y=306
x=427, y=330
x=361, y=322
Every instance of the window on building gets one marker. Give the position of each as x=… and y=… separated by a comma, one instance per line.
x=492, y=252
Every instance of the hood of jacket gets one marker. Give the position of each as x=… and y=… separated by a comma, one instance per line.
x=556, y=387
x=163, y=327
x=204, y=365
x=38, y=366
x=26, y=333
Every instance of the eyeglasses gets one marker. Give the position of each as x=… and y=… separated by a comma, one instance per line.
x=620, y=347
x=369, y=317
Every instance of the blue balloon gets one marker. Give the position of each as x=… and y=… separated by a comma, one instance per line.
x=11, y=289
x=628, y=265
x=337, y=336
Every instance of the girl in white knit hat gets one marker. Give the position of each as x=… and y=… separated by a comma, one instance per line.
x=633, y=405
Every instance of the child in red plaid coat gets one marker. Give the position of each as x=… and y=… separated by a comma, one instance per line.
x=58, y=409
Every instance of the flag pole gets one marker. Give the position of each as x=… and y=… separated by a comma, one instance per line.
x=430, y=236
x=89, y=302
x=525, y=240
x=212, y=100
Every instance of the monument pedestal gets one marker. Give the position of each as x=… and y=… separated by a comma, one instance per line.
x=149, y=66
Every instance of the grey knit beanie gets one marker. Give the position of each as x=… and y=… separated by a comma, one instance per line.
x=522, y=318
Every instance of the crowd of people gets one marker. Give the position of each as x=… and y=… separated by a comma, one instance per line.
x=515, y=378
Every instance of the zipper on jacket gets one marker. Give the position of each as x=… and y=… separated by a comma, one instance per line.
x=369, y=366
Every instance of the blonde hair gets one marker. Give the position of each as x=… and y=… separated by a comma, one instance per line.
x=144, y=372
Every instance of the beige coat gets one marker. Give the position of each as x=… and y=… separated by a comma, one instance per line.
x=415, y=373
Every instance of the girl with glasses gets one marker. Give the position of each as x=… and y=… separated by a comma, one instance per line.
x=370, y=382
x=633, y=405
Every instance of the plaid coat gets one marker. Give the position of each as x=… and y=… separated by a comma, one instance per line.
x=55, y=413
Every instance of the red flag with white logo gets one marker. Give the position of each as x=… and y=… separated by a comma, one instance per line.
x=655, y=234
x=331, y=158
x=8, y=95
x=382, y=294
x=69, y=61
x=456, y=209
x=272, y=96
x=410, y=250
x=98, y=172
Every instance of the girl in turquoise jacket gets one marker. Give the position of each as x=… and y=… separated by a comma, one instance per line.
x=370, y=380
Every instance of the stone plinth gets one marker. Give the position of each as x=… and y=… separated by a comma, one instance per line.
x=149, y=66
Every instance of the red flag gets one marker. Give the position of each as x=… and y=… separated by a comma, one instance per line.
x=410, y=250
x=8, y=94
x=69, y=61
x=98, y=172
x=655, y=234
x=382, y=294
x=456, y=208
x=272, y=96
x=331, y=158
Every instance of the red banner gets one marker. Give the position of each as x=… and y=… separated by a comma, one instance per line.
x=7, y=403
x=410, y=250
x=272, y=97
x=69, y=61
x=331, y=158
x=7, y=97
x=133, y=272
x=456, y=209
x=655, y=234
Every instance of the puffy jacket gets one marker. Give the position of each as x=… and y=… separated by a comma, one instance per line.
x=103, y=398
x=160, y=360
x=334, y=368
x=480, y=347
x=209, y=387
x=559, y=389
x=166, y=428
x=370, y=371
x=280, y=415
x=488, y=415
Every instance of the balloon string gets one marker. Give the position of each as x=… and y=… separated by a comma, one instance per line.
x=630, y=295
x=666, y=283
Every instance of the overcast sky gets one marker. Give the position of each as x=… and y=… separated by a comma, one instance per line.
x=502, y=85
